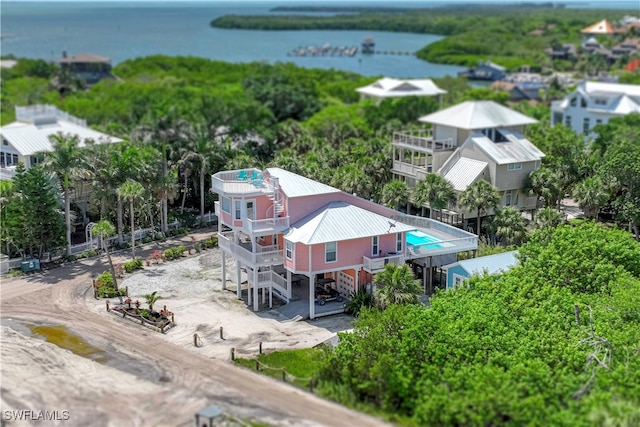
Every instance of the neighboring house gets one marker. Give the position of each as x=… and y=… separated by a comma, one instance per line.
x=565, y=51
x=394, y=88
x=525, y=91
x=624, y=49
x=594, y=103
x=603, y=27
x=459, y=271
x=471, y=141
x=27, y=139
x=486, y=70
x=285, y=229
x=88, y=67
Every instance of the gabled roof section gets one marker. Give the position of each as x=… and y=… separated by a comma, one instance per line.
x=338, y=221
x=84, y=58
x=294, y=185
x=464, y=172
x=609, y=89
x=30, y=138
x=515, y=149
x=625, y=105
x=394, y=88
x=492, y=264
x=602, y=27
x=474, y=115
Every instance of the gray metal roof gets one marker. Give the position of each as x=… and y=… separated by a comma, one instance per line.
x=477, y=115
x=29, y=138
x=516, y=149
x=339, y=221
x=294, y=185
x=491, y=263
x=464, y=172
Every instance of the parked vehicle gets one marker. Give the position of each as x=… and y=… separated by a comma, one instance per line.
x=326, y=294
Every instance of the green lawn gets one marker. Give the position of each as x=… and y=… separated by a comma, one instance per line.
x=302, y=364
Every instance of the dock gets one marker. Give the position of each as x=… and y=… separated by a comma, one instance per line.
x=349, y=51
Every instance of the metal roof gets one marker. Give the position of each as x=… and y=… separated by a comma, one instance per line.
x=294, y=185
x=393, y=88
x=516, y=149
x=477, y=115
x=464, y=172
x=491, y=263
x=610, y=89
x=29, y=138
x=339, y=221
x=602, y=27
x=84, y=58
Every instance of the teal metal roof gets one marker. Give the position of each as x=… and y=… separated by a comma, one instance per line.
x=491, y=264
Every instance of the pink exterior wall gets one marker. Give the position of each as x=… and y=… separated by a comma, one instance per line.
x=262, y=204
x=300, y=207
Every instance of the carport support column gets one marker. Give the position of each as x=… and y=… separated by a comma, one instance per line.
x=224, y=270
x=238, y=280
x=312, y=296
x=255, y=289
x=289, y=290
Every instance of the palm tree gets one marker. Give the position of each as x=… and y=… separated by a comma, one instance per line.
x=66, y=160
x=591, y=194
x=480, y=195
x=352, y=179
x=151, y=299
x=548, y=218
x=546, y=184
x=131, y=190
x=396, y=284
x=396, y=193
x=510, y=225
x=105, y=229
x=436, y=191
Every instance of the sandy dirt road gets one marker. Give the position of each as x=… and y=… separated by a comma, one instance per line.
x=148, y=381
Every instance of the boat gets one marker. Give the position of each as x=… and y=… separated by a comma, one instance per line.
x=368, y=45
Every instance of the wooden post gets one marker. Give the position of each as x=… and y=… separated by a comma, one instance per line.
x=195, y=340
x=233, y=353
x=221, y=335
x=172, y=320
x=284, y=375
x=165, y=308
x=126, y=291
x=260, y=347
x=107, y=305
x=311, y=384
x=257, y=365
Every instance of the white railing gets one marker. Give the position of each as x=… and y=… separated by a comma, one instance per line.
x=33, y=113
x=412, y=170
x=422, y=139
x=269, y=224
x=373, y=265
x=443, y=247
x=208, y=217
x=7, y=172
x=271, y=278
x=263, y=256
x=239, y=181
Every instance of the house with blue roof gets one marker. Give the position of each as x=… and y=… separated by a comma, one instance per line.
x=459, y=271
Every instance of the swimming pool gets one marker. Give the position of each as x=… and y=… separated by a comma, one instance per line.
x=423, y=241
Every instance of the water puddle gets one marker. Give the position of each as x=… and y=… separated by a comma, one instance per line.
x=63, y=338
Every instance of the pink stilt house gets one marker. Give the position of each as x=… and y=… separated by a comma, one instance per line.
x=285, y=229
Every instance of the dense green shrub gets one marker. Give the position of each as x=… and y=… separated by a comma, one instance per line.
x=174, y=253
x=105, y=280
x=131, y=266
x=87, y=254
x=357, y=300
x=211, y=242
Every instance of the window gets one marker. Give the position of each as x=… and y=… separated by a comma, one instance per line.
x=226, y=205
x=601, y=101
x=374, y=246
x=583, y=103
x=289, y=250
x=598, y=122
x=514, y=166
x=507, y=198
x=330, y=252
x=5, y=142
x=567, y=121
x=585, y=126
x=574, y=101
x=399, y=242
x=238, y=210
x=557, y=118
x=8, y=159
x=511, y=197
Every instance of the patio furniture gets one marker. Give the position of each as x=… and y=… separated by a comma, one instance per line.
x=242, y=176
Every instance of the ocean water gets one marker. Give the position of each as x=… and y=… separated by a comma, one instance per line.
x=124, y=30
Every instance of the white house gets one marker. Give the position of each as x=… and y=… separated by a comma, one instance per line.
x=26, y=139
x=594, y=103
x=394, y=88
x=468, y=142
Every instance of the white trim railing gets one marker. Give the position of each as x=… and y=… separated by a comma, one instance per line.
x=273, y=279
x=423, y=140
x=264, y=256
x=373, y=265
x=269, y=224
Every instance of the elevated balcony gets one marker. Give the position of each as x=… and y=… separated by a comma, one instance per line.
x=422, y=140
x=241, y=182
x=374, y=265
x=273, y=280
x=262, y=257
x=255, y=226
x=417, y=172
